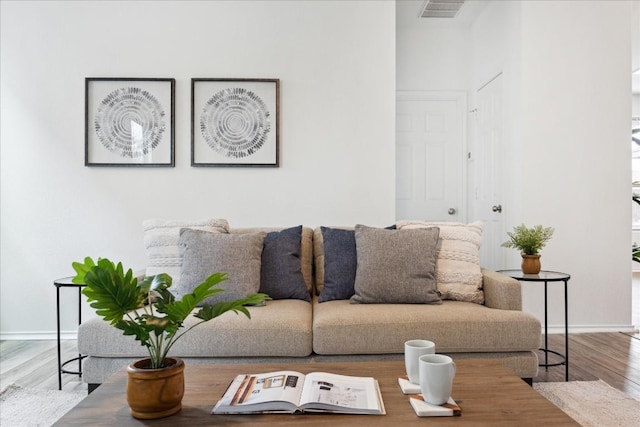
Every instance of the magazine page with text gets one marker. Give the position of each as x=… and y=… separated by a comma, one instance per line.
x=341, y=393
x=270, y=392
x=291, y=392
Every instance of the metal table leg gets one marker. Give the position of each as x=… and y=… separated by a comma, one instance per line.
x=58, y=325
x=564, y=358
x=566, y=334
x=62, y=283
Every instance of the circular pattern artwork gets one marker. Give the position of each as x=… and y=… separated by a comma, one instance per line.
x=235, y=123
x=130, y=122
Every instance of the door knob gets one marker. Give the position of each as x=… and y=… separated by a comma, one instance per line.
x=497, y=208
x=451, y=211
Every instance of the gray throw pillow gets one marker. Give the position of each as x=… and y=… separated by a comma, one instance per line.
x=396, y=266
x=161, y=241
x=340, y=261
x=459, y=273
x=280, y=275
x=205, y=253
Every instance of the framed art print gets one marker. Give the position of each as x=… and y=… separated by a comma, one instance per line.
x=234, y=122
x=129, y=121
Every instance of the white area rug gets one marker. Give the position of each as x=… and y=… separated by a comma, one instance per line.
x=592, y=403
x=25, y=407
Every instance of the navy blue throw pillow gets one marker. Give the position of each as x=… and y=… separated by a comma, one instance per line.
x=280, y=274
x=340, y=262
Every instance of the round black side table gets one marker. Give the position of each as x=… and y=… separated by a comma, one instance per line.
x=546, y=277
x=66, y=282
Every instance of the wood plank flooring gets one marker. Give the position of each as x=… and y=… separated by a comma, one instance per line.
x=34, y=363
x=613, y=357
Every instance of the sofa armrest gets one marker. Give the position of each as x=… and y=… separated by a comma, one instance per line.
x=501, y=291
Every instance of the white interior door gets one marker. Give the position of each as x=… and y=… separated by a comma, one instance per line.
x=430, y=130
x=487, y=171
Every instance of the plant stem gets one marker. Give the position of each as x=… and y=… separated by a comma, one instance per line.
x=175, y=338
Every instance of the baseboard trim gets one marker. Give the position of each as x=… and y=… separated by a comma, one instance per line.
x=583, y=329
x=32, y=336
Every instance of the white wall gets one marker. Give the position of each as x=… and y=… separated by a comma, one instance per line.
x=432, y=58
x=635, y=171
x=635, y=39
x=575, y=138
x=336, y=65
x=565, y=68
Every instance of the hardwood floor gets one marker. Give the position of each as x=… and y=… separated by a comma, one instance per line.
x=34, y=363
x=613, y=357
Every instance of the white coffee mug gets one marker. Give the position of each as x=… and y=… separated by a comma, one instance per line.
x=413, y=349
x=436, y=377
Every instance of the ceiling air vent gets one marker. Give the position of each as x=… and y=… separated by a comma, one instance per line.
x=441, y=8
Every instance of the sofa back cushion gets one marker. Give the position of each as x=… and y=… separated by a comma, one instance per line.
x=161, y=242
x=459, y=275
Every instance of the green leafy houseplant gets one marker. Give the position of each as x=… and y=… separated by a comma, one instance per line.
x=529, y=241
x=146, y=308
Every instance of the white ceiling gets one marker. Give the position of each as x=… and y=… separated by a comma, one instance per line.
x=408, y=14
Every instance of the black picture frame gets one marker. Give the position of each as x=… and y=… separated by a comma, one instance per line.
x=129, y=121
x=235, y=122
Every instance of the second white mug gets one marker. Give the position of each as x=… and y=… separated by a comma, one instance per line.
x=436, y=377
x=413, y=349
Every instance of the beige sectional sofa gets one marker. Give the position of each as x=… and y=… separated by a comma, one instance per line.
x=294, y=330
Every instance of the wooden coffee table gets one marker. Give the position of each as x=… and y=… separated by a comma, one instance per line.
x=487, y=392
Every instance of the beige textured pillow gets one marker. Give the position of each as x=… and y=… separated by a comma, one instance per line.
x=161, y=242
x=396, y=266
x=459, y=274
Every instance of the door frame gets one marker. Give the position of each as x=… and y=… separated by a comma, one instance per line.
x=460, y=97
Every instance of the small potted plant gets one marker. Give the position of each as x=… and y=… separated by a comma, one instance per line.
x=148, y=311
x=529, y=241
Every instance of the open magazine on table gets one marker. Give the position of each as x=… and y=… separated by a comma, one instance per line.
x=291, y=392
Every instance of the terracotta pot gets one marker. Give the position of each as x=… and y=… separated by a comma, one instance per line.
x=155, y=393
x=531, y=264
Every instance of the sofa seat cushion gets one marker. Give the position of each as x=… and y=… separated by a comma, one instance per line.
x=455, y=326
x=280, y=328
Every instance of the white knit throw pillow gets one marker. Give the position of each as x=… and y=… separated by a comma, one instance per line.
x=161, y=242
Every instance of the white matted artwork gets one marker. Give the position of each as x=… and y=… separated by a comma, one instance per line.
x=234, y=122
x=129, y=121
